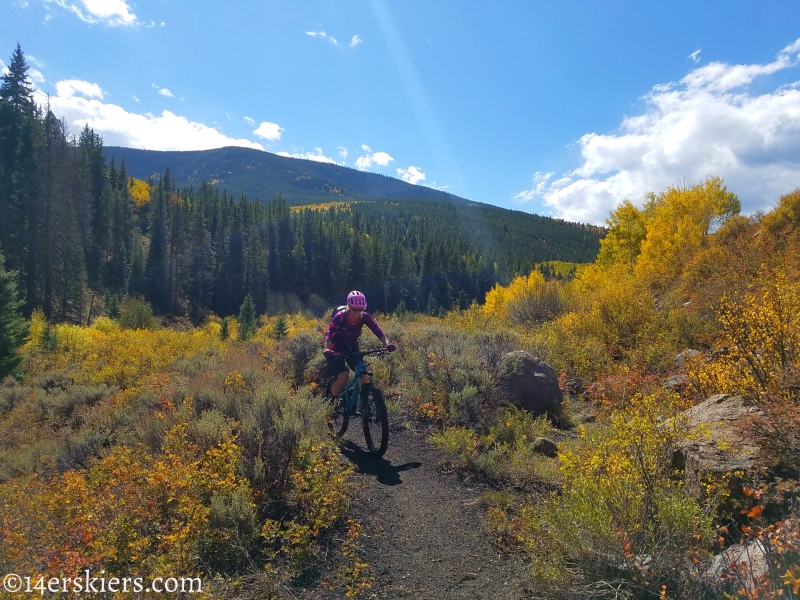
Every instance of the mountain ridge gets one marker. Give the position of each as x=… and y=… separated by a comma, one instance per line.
x=264, y=175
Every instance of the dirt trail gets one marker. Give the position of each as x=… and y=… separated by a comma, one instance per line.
x=424, y=533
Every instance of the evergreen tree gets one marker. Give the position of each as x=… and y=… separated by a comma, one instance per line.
x=48, y=338
x=224, y=331
x=20, y=195
x=16, y=88
x=91, y=147
x=118, y=268
x=156, y=273
x=281, y=328
x=112, y=306
x=62, y=262
x=247, y=318
x=431, y=307
x=13, y=328
x=202, y=261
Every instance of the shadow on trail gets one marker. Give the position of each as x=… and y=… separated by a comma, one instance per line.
x=385, y=472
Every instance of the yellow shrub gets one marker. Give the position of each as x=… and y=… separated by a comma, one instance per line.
x=131, y=513
x=113, y=356
x=619, y=501
x=761, y=334
x=526, y=300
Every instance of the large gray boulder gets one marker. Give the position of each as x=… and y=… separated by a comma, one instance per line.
x=685, y=356
x=722, y=445
x=752, y=556
x=529, y=383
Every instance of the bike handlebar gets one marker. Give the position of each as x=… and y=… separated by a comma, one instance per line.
x=378, y=352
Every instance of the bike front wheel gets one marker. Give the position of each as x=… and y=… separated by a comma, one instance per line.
x=375, y=420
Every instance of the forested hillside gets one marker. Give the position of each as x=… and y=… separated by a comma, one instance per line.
x=78, y=232
x=263, y=175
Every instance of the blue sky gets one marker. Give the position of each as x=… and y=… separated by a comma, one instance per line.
x=560, y=108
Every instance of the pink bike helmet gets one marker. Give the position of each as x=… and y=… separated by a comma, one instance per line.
x=356, y=299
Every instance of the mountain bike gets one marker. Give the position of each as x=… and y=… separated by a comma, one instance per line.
x=365, y=401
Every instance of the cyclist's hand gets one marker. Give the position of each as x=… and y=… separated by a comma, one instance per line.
x=391, y=347
x=328, y=353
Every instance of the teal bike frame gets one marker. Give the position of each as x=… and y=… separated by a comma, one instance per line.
x=365, y=401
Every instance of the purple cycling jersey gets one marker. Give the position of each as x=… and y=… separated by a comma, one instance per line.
x=344, y=335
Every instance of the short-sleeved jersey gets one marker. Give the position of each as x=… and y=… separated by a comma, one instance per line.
x=344, y=335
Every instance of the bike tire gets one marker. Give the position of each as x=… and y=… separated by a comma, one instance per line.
x=375, y=420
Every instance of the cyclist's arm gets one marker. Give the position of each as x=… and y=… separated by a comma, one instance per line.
x=333, y=327
x=370, y=322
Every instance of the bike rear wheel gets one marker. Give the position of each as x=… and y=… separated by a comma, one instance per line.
x=338, y=415
x=375, y=420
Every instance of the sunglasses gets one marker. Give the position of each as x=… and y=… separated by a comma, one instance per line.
x=358, y=309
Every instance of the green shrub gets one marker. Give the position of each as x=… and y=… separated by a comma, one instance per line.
x=136, y=313
x=621, y=515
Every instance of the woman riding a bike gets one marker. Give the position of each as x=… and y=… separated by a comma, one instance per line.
x=343, y=333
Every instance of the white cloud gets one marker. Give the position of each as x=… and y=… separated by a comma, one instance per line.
x=378, y=158
x=108, y=12
x=269, y=131
x=118, y=127
x=136, y=99
x=382, y=158
x=411, y=175
x=36, y=75
x=69, y=87
x=540, y=181
x=317, y=156
x=249, y=120
x=355, y=41
x=342, y=152
x=22, y=3
x=166, y=92
x=695, y=56
x=323, y=36
x=708, y=124
x=30, y=59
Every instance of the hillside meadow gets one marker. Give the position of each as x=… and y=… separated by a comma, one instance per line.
x=203, y=449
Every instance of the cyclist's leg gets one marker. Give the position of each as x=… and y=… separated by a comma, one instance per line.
x=338, y=385
x=337, y=369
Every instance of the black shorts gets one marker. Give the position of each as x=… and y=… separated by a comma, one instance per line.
x=338, y=364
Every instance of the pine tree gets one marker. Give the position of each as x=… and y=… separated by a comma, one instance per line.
x=48, y=338
x=224, y=331
x=156, y=274
x=247, y=318
x=281, y=329
x=202, y=261
x=91, y=147
x=112, y=306
x=20, y=195
x=13, y=328
x=118, y=268
x=16, y=88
